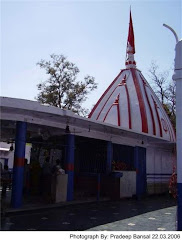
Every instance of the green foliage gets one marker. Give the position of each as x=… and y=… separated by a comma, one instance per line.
x=61, y=88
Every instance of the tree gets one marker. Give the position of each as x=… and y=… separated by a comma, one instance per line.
x=159, y=81
x=61, y=88
x=165, y=90
x=171, y=102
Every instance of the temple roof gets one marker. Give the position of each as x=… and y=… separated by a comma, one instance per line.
x=130, y=102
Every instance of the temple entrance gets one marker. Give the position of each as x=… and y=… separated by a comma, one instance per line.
x=92, y=179
x=37, y=187
x=90, y=168
x=123, y=158
x=123, y=161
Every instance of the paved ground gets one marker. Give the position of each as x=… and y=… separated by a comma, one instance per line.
x=151, y=214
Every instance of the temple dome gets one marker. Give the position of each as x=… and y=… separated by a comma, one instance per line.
x=129, y=102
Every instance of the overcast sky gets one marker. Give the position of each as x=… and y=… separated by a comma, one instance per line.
x=92, y=34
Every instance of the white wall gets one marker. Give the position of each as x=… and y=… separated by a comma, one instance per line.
x=159, y=167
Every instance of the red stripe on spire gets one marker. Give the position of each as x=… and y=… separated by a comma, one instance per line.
x=129, y=109
x=141, y=102
x=116, y=103
x=158, y=118
x=97, y=104
x=150, y=108
x=106, y=103
x=118, y=110
x=107, y=113
x=131, y=38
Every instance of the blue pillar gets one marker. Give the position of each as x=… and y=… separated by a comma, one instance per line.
x=109, y=157
x=140, y=165
x=69, y=164
x=18, y=168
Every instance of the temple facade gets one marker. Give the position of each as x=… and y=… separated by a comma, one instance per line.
x=125, y=148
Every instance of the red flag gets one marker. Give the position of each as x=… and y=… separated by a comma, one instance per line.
x=131, y=39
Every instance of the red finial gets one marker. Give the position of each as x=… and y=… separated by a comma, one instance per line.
x=130, y=51
x=131, y=39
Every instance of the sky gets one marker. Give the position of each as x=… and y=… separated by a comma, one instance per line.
x=92, y=34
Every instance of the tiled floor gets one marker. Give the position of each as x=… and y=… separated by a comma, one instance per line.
x=151, y=214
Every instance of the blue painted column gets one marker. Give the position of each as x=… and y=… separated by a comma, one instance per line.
x=140, y=165
x=109, y=157
x=69, y=164
x=18, y=168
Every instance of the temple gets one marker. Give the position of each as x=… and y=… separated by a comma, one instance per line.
x=125, y=148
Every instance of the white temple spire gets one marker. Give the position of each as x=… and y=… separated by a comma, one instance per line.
x=130, y=51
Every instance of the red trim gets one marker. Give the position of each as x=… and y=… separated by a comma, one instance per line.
x=118, y=110
x=119, y=120
x=120, y=84
x=70, y=167
x=141, y=102
x=129, y=108
x=19, y=162
x=116, y=102
x=105, y=103
x=151, y=112
x=98, y=186
x=131, y=38
x=155, y=105
x=107, y=113
x=90, y=115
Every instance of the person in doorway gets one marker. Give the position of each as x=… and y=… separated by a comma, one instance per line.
x=5, y=180
x=46, y=180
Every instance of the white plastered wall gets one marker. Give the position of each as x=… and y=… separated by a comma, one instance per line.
x=159, y=167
